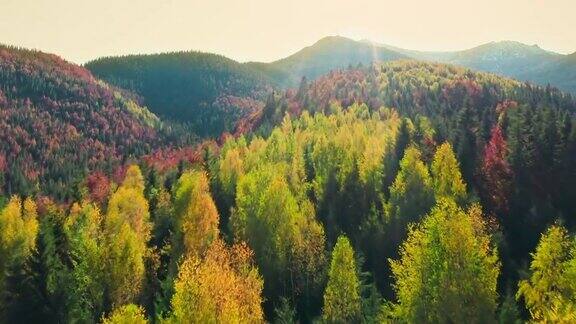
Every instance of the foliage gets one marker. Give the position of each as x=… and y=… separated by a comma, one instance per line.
x=221, y=287
x=127, y=230
x=342, y=294
x=448, y=270
x=447, y=180
x=18, y=230
x=550, y=292
x=127, y=314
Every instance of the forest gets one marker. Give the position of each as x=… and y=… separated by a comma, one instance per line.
x=402, y=192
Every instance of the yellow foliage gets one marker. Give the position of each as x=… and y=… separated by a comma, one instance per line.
x=222, y=287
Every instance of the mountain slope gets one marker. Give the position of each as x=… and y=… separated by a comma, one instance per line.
x=57, y=121
x=329, y=53
x=509, y=58
x=208, y=91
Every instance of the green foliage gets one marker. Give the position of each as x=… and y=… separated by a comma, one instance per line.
x=550, y=292
x=448, y=270
x=87, y=277
x=342, y=296
x=411, y=195
x=207, y=91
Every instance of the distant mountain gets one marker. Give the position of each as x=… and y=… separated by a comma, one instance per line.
x=208, y=91
x=329, y=53
x=508, y=58
x=213, y=93
x=57, y=121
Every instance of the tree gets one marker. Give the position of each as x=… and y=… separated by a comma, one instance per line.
x=448, y=270
x=18, y=231
x=19, y=228
x=196, y=214
x=495, y=172
x=411, y=195
x=83, y=230
x=550, y=292
x=222, y=287
x=127, y=230
x=127, y=314
x=342, y=296
x=446, y=174
x=287, y=240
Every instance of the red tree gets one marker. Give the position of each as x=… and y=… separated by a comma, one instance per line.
x=495, y=171
x=99, y=186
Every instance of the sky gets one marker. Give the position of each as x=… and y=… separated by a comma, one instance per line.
x=266, y=30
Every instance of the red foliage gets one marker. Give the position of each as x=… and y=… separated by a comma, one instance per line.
x=57, y=117
x=98, y=186
x=496, y=172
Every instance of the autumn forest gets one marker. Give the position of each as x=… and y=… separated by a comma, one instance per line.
x=186, y=187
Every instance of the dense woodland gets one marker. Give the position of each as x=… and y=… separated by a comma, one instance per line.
x=207, y=91
x=403, y=192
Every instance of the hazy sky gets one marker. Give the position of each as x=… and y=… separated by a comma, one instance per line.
x=265, y=30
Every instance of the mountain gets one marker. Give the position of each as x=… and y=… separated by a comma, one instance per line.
x=57, y=121
x=508, y=58
x=329, y=53
x=208, y=91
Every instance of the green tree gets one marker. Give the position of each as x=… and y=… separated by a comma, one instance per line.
x=448, y=270
x=83, y=229
x=550, y=292
x=342, y=296
x=447, y=179
x=287, y=241
x=411, y=195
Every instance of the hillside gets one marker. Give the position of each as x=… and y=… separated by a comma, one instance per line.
x=329, y=53
x=508, y=58
x=448, y=103
x=360, y=178
x=207, y=91
x=57, y=121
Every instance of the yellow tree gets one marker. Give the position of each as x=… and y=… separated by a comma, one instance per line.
x=550, y=292
x=127, y=231
x=446, y=176
x=342, y=295
x=197, y=217
x=127, y=314
x=18, y=231
x=222, y=287
x=448, y=270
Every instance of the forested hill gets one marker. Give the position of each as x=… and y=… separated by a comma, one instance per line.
x=336, y=203
x=208, y=91
x=57, y=121
x=327, y=54
x=508, y=58
x=515, y=142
